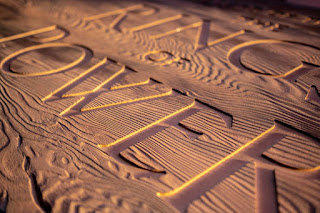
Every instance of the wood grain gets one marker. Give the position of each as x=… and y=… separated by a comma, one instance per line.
x=166, y=95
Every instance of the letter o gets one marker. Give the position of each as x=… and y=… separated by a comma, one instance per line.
x=234, y=53
x=85, y=56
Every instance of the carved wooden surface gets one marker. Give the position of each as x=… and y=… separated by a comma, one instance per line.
x=133, y=106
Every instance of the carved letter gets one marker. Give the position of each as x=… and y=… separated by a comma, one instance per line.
x=122, y=14
x=235, y=53
x=183, y=195
x=63, y=34
x=5, y=63
x=61, y=91
x=201, y=40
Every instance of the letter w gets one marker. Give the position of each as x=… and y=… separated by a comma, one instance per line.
x=62, y=90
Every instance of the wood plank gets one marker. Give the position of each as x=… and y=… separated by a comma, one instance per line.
x=159, y=106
